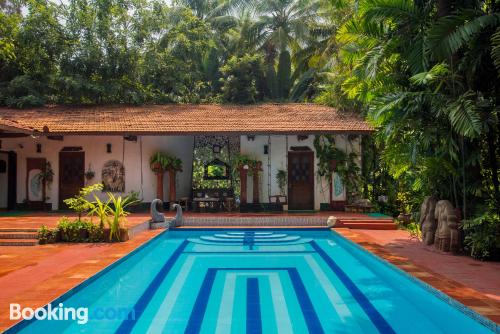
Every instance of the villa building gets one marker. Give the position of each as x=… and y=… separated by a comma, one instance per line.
x=114, y=144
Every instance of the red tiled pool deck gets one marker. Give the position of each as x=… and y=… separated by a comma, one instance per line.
x=34, y=276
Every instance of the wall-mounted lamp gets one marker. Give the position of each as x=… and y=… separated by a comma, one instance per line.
x=108, y=148
x=38, y=148
x=250, y=137
x=302, y=137
x=266, y=149
x=130, y=138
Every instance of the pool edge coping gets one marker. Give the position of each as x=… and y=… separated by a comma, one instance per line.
x=23, y=323
x=490, y=324
x=466, y=310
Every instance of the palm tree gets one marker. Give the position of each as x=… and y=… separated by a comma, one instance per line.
x=282, y=28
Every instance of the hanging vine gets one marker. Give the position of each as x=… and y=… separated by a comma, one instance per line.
x=334, y=160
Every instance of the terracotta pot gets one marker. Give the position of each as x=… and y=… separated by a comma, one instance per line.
x=84, y=234
x=106, y=233
x=124, y=235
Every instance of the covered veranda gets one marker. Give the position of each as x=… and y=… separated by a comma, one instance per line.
x=249, y=158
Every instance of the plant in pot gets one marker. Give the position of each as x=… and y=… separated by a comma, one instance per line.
x=63, y=228
x=282, y=180
x=45, y=178
x=118, y=214
x=245, y=165
x=43, y=233
x=52, y=236
x=89, y=174
x=160, y=163
x=332, y=159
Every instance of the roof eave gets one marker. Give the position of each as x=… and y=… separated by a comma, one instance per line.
x=194, y=133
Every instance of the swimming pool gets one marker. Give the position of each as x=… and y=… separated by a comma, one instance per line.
x=257, y=281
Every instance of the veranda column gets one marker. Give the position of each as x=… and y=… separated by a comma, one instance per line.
x=255, y=180
x=243, y=184
x=172, y=190
x=159, y=185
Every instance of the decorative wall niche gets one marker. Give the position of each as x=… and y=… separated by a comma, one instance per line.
x=217, y=170
x=113, y=176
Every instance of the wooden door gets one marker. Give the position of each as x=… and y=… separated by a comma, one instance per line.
x=71, y=175
x=301, y=180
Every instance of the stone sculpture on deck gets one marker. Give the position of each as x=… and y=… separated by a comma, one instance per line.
x=428, y=223
x=158, y=219
x=446, y=236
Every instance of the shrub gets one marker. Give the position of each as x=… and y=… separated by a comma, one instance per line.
x=78, y=230
x=43, y=235
x=79, y=203
x=482, y=236
x=46, y=235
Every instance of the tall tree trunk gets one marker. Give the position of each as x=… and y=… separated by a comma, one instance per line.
x=493, y=163
x=284, y=74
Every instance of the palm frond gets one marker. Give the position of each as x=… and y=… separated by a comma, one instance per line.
x=451, y=33
x=464, y=116
x=495, y=51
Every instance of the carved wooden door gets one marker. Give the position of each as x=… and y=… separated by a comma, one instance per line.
x=301, y=180
x=71, y=175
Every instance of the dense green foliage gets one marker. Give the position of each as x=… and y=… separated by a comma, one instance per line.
x=424, y=73
x=147, y=51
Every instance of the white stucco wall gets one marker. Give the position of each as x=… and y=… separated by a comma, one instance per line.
x=95, y=155
x=180, y=146
x=3, y=182
x=278, y=156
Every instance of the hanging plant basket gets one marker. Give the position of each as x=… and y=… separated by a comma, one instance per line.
x=156, y=168
x=89, y=175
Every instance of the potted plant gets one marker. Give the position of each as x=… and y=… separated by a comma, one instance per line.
x=89, y=174
x=282, y=180
x=43, y=235
x=118, y=214
x=52, y=236
x=160, y=163
x=47, y=174
x=63, y=228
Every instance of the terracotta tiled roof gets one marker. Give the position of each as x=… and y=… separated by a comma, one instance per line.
x=186, y=119
x=9, y=125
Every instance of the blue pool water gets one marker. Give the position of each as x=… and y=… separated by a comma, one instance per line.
x=257, y=281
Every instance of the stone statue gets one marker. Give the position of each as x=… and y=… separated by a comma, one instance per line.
x=156, y=216
x=428, y=223
x=178, y=219
x=158, y=219
x=446, y=237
